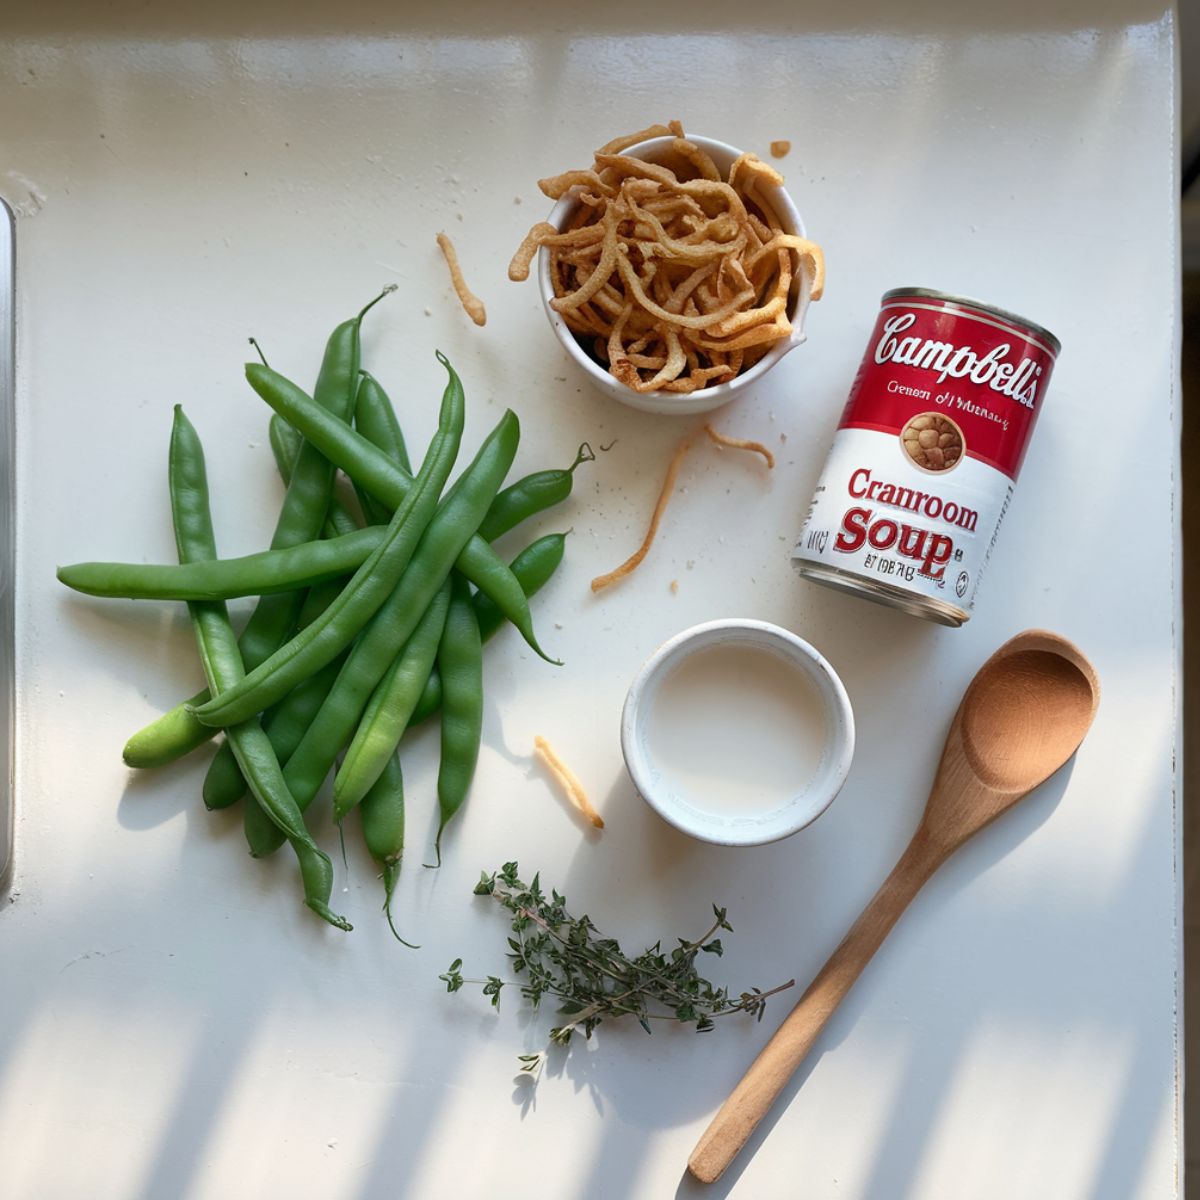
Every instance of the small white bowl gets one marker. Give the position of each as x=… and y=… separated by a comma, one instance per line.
x=811, y=797
x=705, y=399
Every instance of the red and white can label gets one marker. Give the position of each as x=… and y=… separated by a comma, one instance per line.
x=928, y=450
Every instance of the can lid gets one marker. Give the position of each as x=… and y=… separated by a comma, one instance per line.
x=966, y=302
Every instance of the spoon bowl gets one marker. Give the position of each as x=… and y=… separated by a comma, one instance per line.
x=1027, y=710
x=1022, y=717
x=1020, y=720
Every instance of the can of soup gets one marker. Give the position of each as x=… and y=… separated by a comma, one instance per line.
x=927, y=454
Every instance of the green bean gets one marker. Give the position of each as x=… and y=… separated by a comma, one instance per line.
x=533, y=568
x=533, y=494
x=264, y=573
x=395, y=623
x=375, y=419
x=460, y=663
x=285, y=725
x=362, y=461
x=372, y=469
x=312, y=472
x=384, y=638
x=168, y=737
x=285, y=448
x=285, y=445
x=362, y=597
x=392, y=702
x=223, y=665
x=310, y=488
x=363, y=776
x=382, y=808
x=489, y=613
x=382, y=812
x=224, y=784
x=286, y=722
x=177, y=732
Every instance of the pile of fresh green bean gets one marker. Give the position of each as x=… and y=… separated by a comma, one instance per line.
x=366, y=622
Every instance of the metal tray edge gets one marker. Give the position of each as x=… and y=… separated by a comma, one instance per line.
x=8, y=559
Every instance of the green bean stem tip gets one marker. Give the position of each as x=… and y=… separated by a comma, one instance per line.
x=554, y=662
x=391, y=876
x=387, y=291
x=327, y=914
x=584, y=454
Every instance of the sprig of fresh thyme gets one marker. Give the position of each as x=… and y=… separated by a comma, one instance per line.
x=590, y=976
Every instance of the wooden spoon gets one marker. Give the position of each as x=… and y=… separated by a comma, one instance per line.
x=1022, y=717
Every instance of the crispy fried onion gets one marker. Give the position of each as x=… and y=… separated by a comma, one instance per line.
x=674, y=277
x=566, y=779
x=472, y=305
x=736, y=443
x=664, y=496
x=720, y=440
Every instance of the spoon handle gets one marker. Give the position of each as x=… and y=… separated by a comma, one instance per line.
x=779, y=1058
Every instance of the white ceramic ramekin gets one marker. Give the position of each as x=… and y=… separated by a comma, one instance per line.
x=709, y=398
x=811, y=797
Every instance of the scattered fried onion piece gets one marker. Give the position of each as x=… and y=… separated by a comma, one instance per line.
x=471, y=303
x=518, y=269
x=565, y=778
x=780, y=148
x=674, y=277
x=631, y=564
x=723, y=439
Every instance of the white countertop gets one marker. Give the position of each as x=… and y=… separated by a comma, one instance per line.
x=172, y=1022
